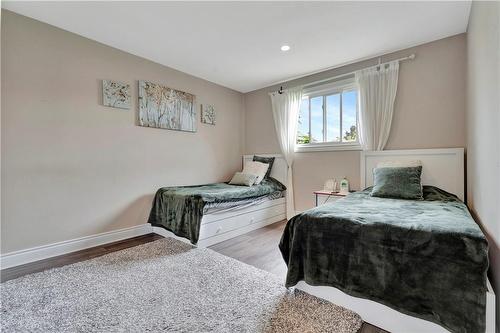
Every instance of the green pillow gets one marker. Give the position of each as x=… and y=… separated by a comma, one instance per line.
x=267, y=160
x=397, y=183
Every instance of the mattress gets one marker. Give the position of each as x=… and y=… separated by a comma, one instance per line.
x=232, y=206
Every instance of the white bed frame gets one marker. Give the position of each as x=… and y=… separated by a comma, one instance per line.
x=218, y=227
x=443, y=168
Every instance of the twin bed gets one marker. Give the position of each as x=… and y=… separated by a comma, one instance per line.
x=208, y=214
x=403, y=265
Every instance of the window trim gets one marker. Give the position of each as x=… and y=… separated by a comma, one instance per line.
x=331, y=88
x=325, y=90
x=327, y=146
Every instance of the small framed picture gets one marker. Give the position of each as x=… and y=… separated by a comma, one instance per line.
x=208, y=114
x=116, y=94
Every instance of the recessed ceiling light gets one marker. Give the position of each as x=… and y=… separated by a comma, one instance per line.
x=285, y=48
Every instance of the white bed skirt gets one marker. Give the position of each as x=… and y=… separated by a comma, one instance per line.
x=387, y=318
x=218, y=227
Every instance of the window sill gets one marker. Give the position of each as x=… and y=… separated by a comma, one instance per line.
x=327, y=147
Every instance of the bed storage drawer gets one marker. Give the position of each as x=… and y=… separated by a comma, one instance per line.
x=217, y=227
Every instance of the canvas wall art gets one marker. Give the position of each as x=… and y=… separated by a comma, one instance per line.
x=208, y=114
x=116, y=94
x=164, y=107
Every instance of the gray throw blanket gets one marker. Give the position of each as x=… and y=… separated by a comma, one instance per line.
x=426, y=258
x=180, y=209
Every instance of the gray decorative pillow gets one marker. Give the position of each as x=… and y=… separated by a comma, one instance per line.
x=398, y=183
x=267, y=160
x=245, y=179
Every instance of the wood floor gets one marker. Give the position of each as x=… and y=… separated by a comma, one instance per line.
x=71, y=258
x=258, y=248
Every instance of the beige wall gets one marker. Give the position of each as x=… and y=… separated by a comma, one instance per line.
x=483, y=127
x=429, y=113
x=71, y=167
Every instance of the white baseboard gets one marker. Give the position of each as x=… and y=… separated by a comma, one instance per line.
x=20, y=257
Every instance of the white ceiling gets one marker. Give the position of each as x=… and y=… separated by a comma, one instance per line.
x=237, y=44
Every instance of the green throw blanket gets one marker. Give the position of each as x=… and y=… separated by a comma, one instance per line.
x=426, y=258
x=180, y=209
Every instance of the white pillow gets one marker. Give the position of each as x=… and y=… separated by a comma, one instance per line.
x=399, y=164
x=256, y=168
x=243, y=179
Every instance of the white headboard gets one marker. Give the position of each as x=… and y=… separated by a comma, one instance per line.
x=443, y=168
x=279, y=170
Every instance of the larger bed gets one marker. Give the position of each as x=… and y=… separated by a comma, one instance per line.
x=425, y=259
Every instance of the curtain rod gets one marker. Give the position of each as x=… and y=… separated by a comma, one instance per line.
x=410, y=57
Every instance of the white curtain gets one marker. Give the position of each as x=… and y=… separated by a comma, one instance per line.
x=377, y=92
x=286, y=108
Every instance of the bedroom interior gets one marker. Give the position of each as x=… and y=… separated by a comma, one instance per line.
x=175, y=166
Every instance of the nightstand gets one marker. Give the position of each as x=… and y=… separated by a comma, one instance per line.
x=321, y=197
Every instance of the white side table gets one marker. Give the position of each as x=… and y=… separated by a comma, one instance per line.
x=321, y=197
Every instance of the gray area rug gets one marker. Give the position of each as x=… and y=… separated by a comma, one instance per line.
x=164, y=286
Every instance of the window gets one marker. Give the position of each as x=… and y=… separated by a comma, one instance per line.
x=328, y=118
